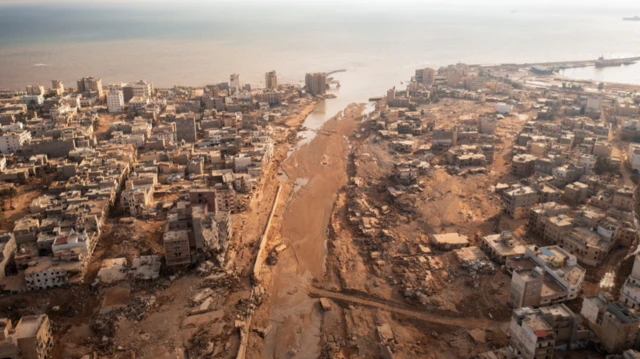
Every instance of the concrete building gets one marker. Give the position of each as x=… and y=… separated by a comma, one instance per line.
x=576, y=193
x=551, y=270
x=226, y=199
x=115, y=99
x=32, y=100
x=142, y=89
x=523, y=165
x=425, y=76
x=35, y=90
x=531, y=336
x=500, y=247
x=186, y=128
x=176, y=247
x=630, y=291
x=444, y=139
x=91, y=84
x=590, y=247
x=15, y=141
x=594, y=103
x=316, y=83
x=487, y=125
x=634, y=156
x=138, y=103
x=271, y=80
x=449, y=241
x=519, y=201
x=556, y=227
x=136, y=199
x=602, y=148
x=192, y=233
x=540, y=214
x=562, y=328
x=234, y=82
x=623, y=199
x=30, y=339
x=617, y=327
x=57, y=87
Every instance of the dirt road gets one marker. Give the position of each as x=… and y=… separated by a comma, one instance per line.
x=429, y=317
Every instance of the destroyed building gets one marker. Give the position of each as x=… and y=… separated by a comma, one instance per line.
x=193, y=234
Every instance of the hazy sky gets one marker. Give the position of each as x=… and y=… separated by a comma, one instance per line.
x=514, y=3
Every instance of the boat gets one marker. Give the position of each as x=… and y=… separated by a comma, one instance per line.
x=635, y=18
x=628, y=62
x=601, y=62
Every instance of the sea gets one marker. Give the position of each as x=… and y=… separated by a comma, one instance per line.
x=378, y=43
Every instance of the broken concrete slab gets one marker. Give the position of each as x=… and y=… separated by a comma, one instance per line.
x=325, y=304
x=197, y=320
x=479, y=336
x=202, y=295
x=146, y=267
x=113, y=270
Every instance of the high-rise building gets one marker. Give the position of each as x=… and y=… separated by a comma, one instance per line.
x=316, y=83
x=36, y=90
x=57, y=87
x=425, y=76
x=88, y=84
x=115, y=99
x=142, y=89
x=234, y=82
x=271, y=80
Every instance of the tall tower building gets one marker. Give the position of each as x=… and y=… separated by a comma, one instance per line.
x=271, y=80
x=115, y=99
x=88, y=84
x=316, y=83
x=57, y=87
x=234, y=82
x=37, y=90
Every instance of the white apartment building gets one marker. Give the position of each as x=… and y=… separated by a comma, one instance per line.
x=630, y=291
x=142, y=89
x=138, y=102
x=32, y=99
x=634, y=156
x=61, y=110
x=594, y=103
x=115, y=100
x=37, y=90
x=12, y=142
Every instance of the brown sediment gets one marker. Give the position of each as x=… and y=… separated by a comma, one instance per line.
x=303, y=225
x=297, y=119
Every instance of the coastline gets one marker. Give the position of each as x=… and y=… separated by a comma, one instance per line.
x=298, y=119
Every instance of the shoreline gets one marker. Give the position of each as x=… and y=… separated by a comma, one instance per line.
x=298, y=119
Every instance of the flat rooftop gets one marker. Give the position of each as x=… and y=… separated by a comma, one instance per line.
x=450, y=238
x=28, y=325
x=509, y=247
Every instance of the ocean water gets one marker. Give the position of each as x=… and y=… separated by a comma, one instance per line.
x=378, y=43
x=626, y=74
